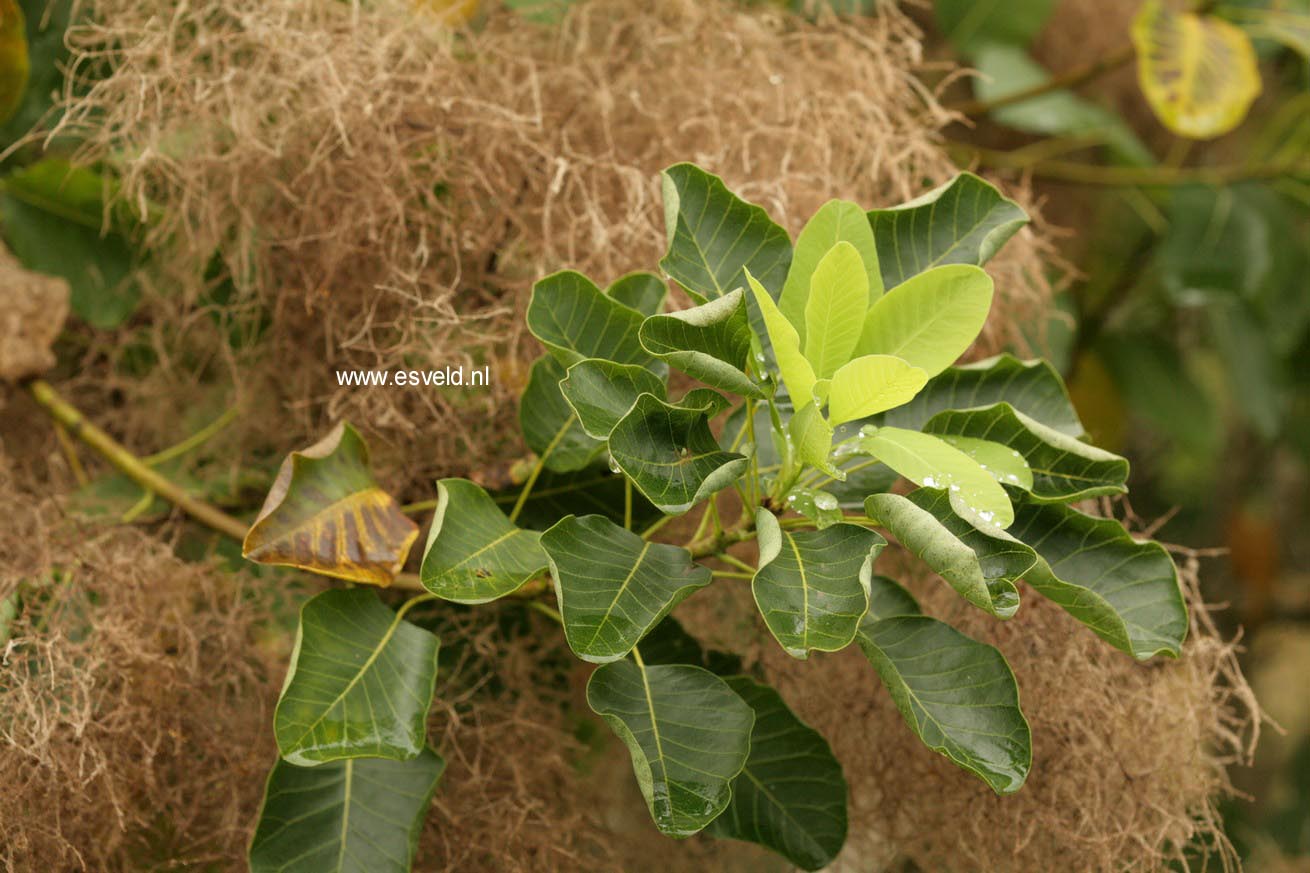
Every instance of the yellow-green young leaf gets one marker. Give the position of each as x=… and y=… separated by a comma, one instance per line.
x=928, y=461
x=1005, y=464
x=797, y=374
x=834, y=313
x=836, y=221
x=1198, y=72
x=872, y=384
x=14, y=63
x=360, y=815
x=475, y=553
x=930, y=319
x=325, y=513
x=812, y=437
x=360, y=683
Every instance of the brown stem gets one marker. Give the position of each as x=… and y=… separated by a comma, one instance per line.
x=1080, y=173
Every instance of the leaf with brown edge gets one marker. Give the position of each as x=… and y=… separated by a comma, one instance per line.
x=325, y=513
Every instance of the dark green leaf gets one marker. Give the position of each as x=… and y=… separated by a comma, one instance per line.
x=965, y=221
x=671, y=456
x=360, y=683
x=982, y=567
x=594, y=491
x=711, y=342
x=888, y=599
x=669, y=643
x=958, y=695
x=688, y=734
x=575, y=320
x=612, y=586
x=52, y=215
x=551, y=427
x=812, y=587
x=644, y=292
x=474, y=553
x=602, y=392
x=361, y=815
x=791, y=796
x=1124, y=590
x=1064, y=469
x=713, y=235
x=1031, y=387
x=968, y=23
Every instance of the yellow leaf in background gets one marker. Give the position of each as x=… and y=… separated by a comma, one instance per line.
x=1198, y=72
x=14, y=65
x=451, y=12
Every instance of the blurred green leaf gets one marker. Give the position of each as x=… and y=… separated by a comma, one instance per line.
x=970, y=23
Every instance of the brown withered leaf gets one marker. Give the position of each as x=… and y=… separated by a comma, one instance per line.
x=325, y=513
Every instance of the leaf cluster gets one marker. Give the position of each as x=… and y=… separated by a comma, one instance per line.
x=823, y=372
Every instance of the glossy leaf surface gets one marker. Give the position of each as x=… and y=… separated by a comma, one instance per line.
x=931, y=319
x=612, y=586
x=360, y=683
x=360, y=815
x=791, y=795
x=812, y=587
x=602, y=392
x=711, y=342
x=836, y=221
x=474, y=553
x=688, y=734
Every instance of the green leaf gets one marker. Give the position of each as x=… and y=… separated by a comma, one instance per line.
x=669, y=643
x=475, y=553
x=671, y=456
x=1198, y=72
x=551, y=427
x=968, y=23
x=52, y=215
x=360, y=683
x=602, y=392
x=715, y=236
x=958, y=695
x=983, y=567
x=797, y=374
x=871, y=384
x=575, y=320
x=46, y=23
x=585, y=492
x=834, y=312
x=812, y=587
x=965, y=221
x=812, y=438
x=1063, y=469
x=1003, y=463
x=791, y=795
x=1031, y=387
x=326, y=513
x=688, y=734
x=360, y=815
x=1286, y=22
x=930, y=319
x=821, y=507
x=705, y=400
x=932, y=463
x=1126, y=591
x=644, y=292
x=612, y=586
x=1005, y=69
x=836, y=221
x=887, y=599
x=711, y=342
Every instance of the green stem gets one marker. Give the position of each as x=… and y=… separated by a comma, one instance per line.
x=549, y=612
x=735, y=562
x=627, y=503
x=413, y=602
x=129, y=464
x=1071, y=79
x=196, y=440
x=536, y=470
x=654, y=528
x=1080, y=173
x=420, y=506
x=726, y=574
